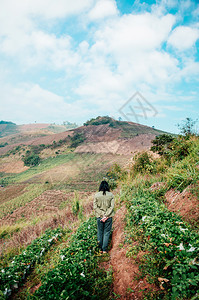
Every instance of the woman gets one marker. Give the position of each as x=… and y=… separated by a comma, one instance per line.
x=103, y=206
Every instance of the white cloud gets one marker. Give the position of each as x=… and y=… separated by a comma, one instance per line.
x=126, y=53
x=19, y=26
x=28, y=103
x=103, y=9
x=46, y=9
x=183, y=37
x=132, y=33
x=113, y=56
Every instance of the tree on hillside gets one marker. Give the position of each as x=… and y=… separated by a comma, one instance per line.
x=187, y=127
x=161, y=144
x=31, y=159
x=7, y=122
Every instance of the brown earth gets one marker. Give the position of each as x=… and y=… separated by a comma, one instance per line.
x=46, y=140
x=13, y=167
x=123, y=146
x=12, y=191
x=125, y=269
x=183, y=203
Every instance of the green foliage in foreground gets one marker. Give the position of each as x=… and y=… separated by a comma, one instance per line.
x=77, y=275
x=178, y=165
x=172, y=246
x=12, y=277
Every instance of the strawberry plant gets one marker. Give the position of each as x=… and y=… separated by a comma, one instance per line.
x=77, y=275
x=12, y=276
x=172, y=245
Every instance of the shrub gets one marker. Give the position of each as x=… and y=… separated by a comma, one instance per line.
x=180, y=148
x=31, y=160
x=3, y=145
x=101, y=120
x=114, y=174
x=161, y=144
x=143, y=162
x=77, y=139
x=182, y=174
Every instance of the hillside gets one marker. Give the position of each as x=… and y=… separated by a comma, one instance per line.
x=48, y=228
x=105, y=135
x=13, y=134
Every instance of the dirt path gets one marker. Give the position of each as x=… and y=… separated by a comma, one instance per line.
x=125, y=270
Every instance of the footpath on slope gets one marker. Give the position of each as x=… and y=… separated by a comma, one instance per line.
x=125, y=270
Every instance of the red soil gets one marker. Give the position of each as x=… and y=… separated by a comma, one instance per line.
x=125, y=270
x=185, y=204
x=13, y=167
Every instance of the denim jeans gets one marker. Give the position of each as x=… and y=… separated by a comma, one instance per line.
x=103, y=233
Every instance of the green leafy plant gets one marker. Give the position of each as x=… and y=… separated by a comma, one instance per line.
x=114, y=174
x=77, y=267
x=77, y=139
x=161, y=144
x=31, y=160
x=143, y=163
x=187, y=127
x=172, y=247
x=12, y=276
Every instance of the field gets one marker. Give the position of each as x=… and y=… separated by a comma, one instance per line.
x=42, y=196
x=48, y=228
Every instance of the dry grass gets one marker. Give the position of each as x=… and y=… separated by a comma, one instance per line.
x=11, y=191
x=24, y=232
x=10, y=206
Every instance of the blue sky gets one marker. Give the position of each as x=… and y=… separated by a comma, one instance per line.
x=75, y=60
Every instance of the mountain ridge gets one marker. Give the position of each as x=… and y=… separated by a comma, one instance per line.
x=99, y=135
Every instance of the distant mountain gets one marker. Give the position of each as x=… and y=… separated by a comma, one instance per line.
x=99, y=135
x=19, y=133
x=7, y=128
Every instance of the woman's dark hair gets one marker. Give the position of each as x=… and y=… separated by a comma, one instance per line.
x=104, y=187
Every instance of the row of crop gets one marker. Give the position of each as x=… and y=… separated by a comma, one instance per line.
x=12, y=276
x=45, y=165
x=77, y=275
x=174, y=247
x=30, y=193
